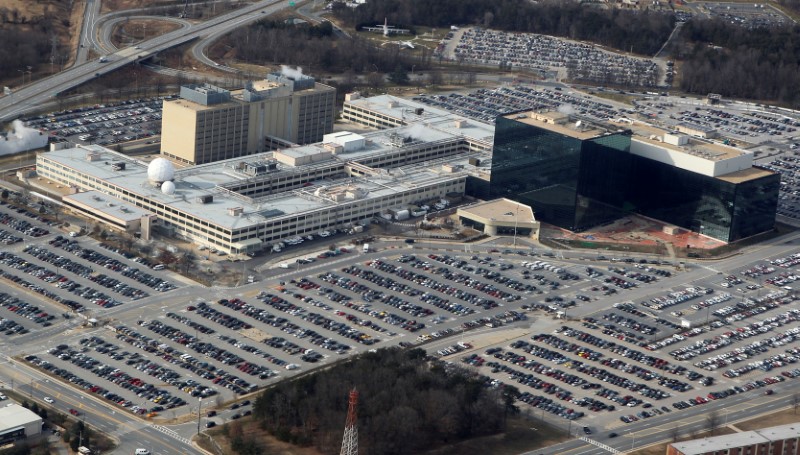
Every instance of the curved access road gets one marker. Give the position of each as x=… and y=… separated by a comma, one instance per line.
x=106, y=29
x=29, y=97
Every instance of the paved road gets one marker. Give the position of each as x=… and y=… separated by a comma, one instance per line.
x=31, y=96
x=133, y=432
x=87, y=37
x=128, y=430
x=106, y=29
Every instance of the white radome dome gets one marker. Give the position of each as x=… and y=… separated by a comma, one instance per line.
x=168, y=187
x=160, y=170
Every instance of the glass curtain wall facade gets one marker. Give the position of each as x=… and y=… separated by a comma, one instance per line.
x=536, y=167
x=577, y=184
x=571, y=183
x=711, y=206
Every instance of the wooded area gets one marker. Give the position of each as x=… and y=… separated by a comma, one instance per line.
x=643, y=32
x=28, y=43
x=761, y=64
x=314, y=48
x=407, y=404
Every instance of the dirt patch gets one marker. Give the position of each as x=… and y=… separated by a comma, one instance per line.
x=131, y=32
x=248, y=428
x=521, y=435
x=195, y=9
x=770, y=420
x=27, y=9
x=119, y=5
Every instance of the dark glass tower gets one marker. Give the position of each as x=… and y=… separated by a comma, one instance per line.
x=572, y=176
x=578, y=176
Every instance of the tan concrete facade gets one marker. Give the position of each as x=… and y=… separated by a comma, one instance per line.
x=195, y=133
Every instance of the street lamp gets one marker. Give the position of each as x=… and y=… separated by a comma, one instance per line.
x=516, y=220
x=199, y=405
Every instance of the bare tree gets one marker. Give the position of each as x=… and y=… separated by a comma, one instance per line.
x=796, y=401
x=435, y=78
x=375, y=79
x=185, y=260
x=674, y=433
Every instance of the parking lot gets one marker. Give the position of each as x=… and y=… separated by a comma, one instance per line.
x=637, y=359
x=104, y=124
x=787, y=164
x=230, y=346
x=611, y=340
x=745, y=14
x=574, y=60
x=485, y=105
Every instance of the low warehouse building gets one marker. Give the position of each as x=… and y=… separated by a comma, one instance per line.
x=18, y=423
x=500, y=217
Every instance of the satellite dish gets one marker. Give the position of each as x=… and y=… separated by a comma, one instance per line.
x=578, y=124
x=160, y=170
x=168, y=187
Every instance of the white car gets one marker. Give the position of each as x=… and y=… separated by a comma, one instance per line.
x=49, y=400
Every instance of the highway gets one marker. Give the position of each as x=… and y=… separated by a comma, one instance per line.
x=29, y=97
x=129, y=431
x=87, y=37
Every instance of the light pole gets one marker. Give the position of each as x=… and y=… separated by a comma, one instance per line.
x=516, y=220
x=199, y=405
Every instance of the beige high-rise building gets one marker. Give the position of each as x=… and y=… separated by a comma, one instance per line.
x=208, y=123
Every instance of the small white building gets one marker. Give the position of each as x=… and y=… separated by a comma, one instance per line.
x=17, y=422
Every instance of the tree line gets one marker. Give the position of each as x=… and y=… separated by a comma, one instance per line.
x=314, y=48
x=642, y=32
x=29, y=44
x=760, y=64
x=408, y=403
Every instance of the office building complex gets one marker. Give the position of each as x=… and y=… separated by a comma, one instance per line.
x=249, y=204
x=208, y=124
x=572, y=174
x=779, y=440
x=576, y=174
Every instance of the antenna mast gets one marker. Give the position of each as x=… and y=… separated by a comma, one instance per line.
x=350, y=440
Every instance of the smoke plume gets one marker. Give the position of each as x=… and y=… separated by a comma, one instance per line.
x=416, y=131
x=21, y=138
x=292, y=73
x=566, y=109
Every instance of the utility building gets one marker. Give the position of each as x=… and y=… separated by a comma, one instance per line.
x=208, y=123
x=18, y=423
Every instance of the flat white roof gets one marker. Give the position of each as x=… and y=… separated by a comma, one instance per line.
x=765, y=435
x=405, y=110
x=502, y=210
x=109, y=205
x=15, y=415
x=191, y=183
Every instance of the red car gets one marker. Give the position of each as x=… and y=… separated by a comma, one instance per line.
x=74, y=412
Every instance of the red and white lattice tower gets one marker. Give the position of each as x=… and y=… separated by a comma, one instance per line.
x=350, y=440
